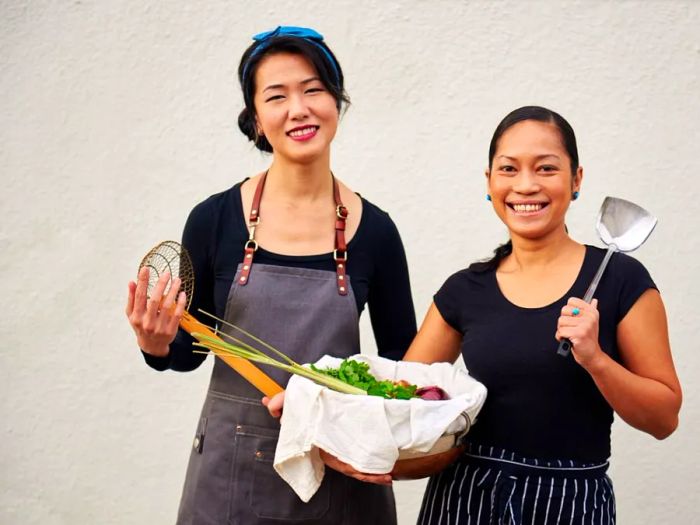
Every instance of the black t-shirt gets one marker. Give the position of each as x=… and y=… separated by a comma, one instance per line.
x=539, y=404
x=215, y=234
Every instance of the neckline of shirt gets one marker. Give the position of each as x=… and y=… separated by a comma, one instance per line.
x=238, y=199
x=557, y=303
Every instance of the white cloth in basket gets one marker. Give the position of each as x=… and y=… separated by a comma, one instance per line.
x=368, y=432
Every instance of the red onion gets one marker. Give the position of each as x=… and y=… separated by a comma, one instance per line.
x=432, y=393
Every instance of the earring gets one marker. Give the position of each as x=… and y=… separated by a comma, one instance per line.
x=488, y=197
x=575, y=195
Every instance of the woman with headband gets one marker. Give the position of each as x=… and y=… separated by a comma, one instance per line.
x=291, y=255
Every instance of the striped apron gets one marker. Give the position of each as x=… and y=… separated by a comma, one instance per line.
x=493, y=486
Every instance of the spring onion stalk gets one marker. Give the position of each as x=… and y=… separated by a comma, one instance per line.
x=245, y=351
x=249, y=335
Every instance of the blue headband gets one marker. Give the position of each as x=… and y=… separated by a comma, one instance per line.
x=306, y=33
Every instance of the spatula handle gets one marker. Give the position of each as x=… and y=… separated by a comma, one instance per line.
x=565, y=345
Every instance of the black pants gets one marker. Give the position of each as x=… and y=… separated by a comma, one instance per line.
x=493, y=486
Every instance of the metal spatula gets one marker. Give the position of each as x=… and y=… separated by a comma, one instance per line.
x=622, y=226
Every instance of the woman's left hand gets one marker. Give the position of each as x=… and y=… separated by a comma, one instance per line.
x=334, y=463
x=578, y=323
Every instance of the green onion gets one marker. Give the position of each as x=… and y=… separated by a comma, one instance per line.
x=243, y=350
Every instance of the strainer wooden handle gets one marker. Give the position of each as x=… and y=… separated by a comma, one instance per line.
x=245, y=368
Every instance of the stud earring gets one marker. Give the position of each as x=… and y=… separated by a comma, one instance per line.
x=575, y=195
x=488, y=197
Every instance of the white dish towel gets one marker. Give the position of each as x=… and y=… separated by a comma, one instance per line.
x=368, y=432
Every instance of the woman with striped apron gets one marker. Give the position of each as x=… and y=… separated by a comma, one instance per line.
x=538, y=451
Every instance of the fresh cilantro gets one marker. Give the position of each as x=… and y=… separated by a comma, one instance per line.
x=357, y=374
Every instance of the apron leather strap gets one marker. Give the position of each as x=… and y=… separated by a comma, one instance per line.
x=251, y=245
x=340, y=253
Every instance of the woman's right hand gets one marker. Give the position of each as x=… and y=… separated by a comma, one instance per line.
x=155, y=324
x=274, y=404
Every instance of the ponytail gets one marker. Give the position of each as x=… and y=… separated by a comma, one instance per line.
x=500, y=253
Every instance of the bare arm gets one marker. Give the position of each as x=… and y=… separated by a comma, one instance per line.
x=436, y=341
x=644, y=389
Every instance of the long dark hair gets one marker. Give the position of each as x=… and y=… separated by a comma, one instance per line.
x=318, y=53
x=568, y=138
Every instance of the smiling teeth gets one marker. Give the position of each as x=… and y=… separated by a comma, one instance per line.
x=527, y=207
x=301, y=132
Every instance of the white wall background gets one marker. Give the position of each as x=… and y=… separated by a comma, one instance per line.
x=116, y=117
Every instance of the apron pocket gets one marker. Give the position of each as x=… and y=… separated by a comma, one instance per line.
x=268, y=495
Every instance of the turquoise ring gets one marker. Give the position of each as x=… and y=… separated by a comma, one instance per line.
x=575, y=311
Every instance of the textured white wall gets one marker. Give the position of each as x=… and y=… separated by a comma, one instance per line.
x=117, y=117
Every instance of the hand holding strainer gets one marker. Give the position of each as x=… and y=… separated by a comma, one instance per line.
x=622, y=226
x=166, y=263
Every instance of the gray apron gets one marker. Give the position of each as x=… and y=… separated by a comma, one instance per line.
x=230, y=479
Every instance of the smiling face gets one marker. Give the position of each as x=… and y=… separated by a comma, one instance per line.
x=294, y=110
x=530, y=180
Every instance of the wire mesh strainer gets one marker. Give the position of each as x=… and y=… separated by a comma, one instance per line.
x=172, y=257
